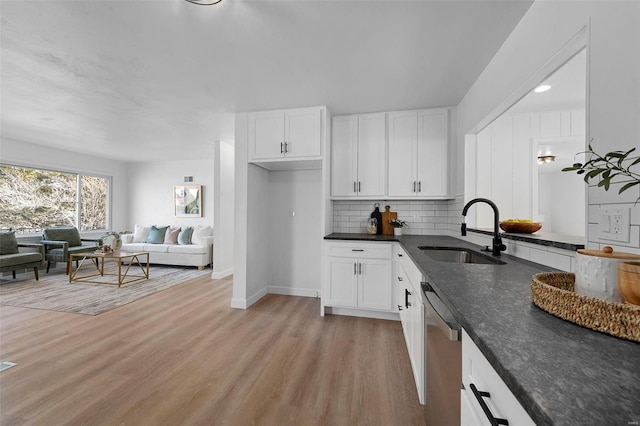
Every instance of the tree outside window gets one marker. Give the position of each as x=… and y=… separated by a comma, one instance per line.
x=32, y=199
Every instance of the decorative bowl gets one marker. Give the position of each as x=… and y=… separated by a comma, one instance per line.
x=520, y=227
x=629, y=281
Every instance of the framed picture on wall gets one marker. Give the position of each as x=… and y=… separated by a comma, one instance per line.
x=187, y=200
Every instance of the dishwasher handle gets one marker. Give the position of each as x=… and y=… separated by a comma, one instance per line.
x=450, y=333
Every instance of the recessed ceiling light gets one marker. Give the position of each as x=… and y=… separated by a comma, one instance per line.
x=542, y=88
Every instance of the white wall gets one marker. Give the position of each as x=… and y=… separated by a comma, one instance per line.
x=251, y=270
x=295, y=247
x=259, y=243
x=565, y=213
x=240, y=201
x=30, y=155
x=613, y=92
x=223, y=206
x=151, y=191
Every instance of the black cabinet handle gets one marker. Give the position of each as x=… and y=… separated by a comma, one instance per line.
x=419, y=182
x=355, y=269
x=358, y=186
x=407, y=293
x=354, y=186
x=357, y=249
x=414, y=186
x=399, y=278
x=480, y=395
x=399, y=255
x=286, y=147
x=399, y=307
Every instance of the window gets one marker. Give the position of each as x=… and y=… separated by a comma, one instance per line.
x=32, y=199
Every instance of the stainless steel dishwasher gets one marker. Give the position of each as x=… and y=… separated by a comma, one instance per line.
x=443, y=362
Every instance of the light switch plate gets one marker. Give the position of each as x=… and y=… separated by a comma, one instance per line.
x=614, y=224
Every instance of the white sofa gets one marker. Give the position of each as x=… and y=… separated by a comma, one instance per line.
x=199, y=253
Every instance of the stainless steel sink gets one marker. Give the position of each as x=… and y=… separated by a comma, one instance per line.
x=459, y=255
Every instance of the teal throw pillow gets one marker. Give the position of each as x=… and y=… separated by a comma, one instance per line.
x=184, y=237
x=8, y=243
x=156, y=235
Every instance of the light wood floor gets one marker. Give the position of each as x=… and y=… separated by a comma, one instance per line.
x=183, y=357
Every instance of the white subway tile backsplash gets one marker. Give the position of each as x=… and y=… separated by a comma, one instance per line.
x=421, y=215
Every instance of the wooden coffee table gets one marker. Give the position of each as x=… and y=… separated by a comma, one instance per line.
x=128, y=262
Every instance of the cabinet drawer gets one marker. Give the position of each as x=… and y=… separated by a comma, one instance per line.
x=360, y=250
x=410, y=268
x=477, y=371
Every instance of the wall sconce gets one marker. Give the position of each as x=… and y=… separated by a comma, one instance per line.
x=546, y=159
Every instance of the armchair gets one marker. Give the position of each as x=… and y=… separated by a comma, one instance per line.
x=59, y=242
x=11, y=259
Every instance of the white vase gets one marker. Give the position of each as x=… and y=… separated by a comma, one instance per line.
x=397, y=231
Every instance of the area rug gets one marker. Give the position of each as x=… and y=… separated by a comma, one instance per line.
x=54, y=292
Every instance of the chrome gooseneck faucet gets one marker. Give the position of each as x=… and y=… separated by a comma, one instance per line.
x=497, y=239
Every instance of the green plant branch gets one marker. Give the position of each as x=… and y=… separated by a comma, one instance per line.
x=608, y=167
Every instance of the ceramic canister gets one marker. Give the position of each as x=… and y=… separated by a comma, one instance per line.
x=597, y=272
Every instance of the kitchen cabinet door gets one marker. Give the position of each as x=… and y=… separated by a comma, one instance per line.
x=344, y=156
x=479, y=373
x=403, y=141
x=294, y=133
x=418, y=153
x=342, y=285
x=303, y=132
x=266, y=134
x=432, y=153
x=372, y=170
x=358, y=156
x=417, y=346
x=374, y=291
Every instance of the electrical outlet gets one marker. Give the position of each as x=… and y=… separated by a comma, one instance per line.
x=617, y=224
x=614, y=224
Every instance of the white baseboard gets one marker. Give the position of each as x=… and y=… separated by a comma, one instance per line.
x=291, y=291
x=285, y=291
x=246, y=303
x=239, y=303
x=222, y=274
x=362, y=313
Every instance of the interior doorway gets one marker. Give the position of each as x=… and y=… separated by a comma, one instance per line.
x=515, y=158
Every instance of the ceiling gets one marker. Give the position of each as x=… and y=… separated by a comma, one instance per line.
x=568, y=88
x=161, y=79
x=568, y=92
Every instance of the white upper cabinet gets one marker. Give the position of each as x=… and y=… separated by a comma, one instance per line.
x=418, y=153
x=292, y=133
x=403, y=146
x=358, y=155
x=344, y=155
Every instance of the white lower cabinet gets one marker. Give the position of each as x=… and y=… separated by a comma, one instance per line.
x=485, y=395
x=409, y=303
x=358, y=275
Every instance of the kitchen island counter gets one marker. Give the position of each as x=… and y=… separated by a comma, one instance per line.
x=560, y=372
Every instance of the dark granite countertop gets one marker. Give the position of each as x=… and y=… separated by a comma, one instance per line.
x=560, y=372
x=565, y=242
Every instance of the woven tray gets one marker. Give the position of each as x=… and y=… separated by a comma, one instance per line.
x=554, y=293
